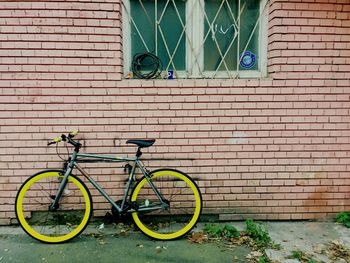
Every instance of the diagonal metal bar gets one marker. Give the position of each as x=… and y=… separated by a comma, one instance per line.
x=146, y=13
x=184, y=26
x=163, y=37
x=206, y=36
x=166, y=46
x=155, y=27
x=198, y=48
x=233, y=40
x=232, y=14
x=134, y=24
x=180, y=38
x=189, y=41
x=255, y=26
x=216, y=42
x=182, y=33
x=210, y=30
x=239, y=40
x=163, y=12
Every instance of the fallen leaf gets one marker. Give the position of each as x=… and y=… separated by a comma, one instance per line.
x=158, y=249
x=102, y=242
x=256, y=254
x=123, y=232
x=319, y=248
x=198, y=237
x=249, y=256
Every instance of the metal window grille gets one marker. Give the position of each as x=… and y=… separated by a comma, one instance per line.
x=198, y=38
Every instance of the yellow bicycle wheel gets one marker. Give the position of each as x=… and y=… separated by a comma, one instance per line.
x=35, y=197
x=184, y=199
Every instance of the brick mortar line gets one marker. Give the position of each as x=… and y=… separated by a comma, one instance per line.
x=65, y=25
x=59, y=33
x=118, y=65
x=72, y=49
x=131, y=131
x=168, y=109
x=183, y=82
x=65, y=17
x=193, y=123
x=177, y=95
x=145, y=95
x=190, y=145
x=67, y=9
x=178, y=117
x=232, y=85
x=170, y=116
x=226, y=165
x=68, y=42
x=87, y=110
x=49, y=57
x=170, y=95
x=172, y=145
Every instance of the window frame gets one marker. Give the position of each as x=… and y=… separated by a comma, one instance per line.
x=196, y=37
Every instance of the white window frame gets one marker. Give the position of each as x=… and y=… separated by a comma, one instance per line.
x=195, y=32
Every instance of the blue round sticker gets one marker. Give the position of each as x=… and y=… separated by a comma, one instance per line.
x=248, y=60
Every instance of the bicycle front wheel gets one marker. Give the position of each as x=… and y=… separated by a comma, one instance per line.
x=36, y=196
x=183, y=197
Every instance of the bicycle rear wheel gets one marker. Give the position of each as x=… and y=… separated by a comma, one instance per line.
x=185, y=205
x=35, y=197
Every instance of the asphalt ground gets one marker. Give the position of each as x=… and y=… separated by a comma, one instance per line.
x=320, y=241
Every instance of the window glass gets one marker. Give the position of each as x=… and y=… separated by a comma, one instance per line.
x=249, y=18
x=221, y=30
x=170, y=37
x=222, y=37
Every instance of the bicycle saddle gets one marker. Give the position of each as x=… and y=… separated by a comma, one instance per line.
x=142, y=143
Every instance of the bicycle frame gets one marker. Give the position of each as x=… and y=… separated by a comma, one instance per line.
x=137, y=163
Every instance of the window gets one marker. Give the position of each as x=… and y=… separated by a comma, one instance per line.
x=198, y=38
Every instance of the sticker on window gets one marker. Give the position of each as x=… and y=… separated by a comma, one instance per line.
x=248, y=60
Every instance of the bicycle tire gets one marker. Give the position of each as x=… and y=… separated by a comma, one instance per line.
x=185, y=201
x=71, y=217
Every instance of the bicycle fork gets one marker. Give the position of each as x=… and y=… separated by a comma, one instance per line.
x=68, y=167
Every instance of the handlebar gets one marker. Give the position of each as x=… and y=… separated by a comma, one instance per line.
x=66, y=138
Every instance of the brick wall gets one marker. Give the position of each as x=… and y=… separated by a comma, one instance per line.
x=275, y=148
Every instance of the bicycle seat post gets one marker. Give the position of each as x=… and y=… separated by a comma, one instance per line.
x=138, y=153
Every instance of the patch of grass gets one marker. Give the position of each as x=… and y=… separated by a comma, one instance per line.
x=276, y=246
x=225, y=231
x=302, y=257
x=264, y=259
x=297, y=254
x=343, y=218
x=258, y=233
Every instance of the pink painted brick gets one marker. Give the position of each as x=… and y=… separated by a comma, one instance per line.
x=264, y=140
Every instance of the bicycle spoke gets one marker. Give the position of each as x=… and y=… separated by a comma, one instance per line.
x=184, y=205
x=61, y=224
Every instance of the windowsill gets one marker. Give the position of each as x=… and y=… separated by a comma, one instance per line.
x=158, y=83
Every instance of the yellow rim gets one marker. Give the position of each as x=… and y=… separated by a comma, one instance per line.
x=181, y=231
x=39, y=236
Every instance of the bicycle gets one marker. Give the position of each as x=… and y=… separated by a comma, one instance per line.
x=54, y=206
